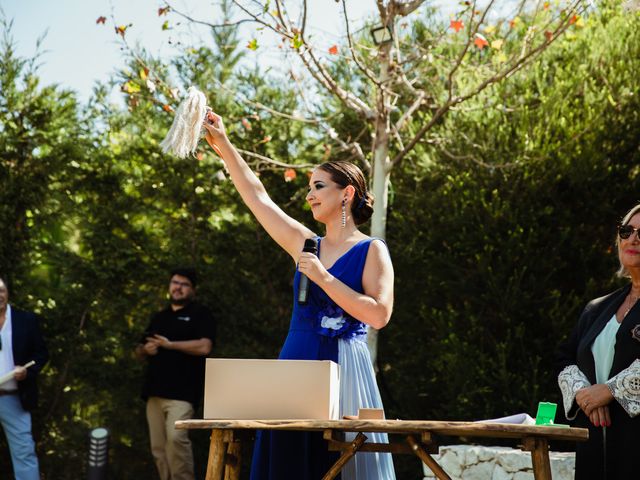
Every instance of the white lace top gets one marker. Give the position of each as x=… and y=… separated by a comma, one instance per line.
x=625, y=388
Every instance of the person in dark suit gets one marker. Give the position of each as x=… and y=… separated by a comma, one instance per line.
x=20, y=343
x=599, y=370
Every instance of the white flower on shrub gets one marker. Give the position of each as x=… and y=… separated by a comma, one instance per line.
x=334, y=323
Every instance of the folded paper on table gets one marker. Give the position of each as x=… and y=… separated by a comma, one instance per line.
x=518, y=418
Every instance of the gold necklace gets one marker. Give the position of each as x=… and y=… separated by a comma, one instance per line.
x=633, y=301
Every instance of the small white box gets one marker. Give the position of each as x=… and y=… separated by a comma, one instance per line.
x=251, y=389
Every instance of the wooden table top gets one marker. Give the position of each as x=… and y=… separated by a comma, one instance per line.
x=459, y=429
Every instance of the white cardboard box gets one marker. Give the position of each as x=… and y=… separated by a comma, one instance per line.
x=248, y=389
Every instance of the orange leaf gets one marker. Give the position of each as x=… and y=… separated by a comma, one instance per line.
x=163, y=11
x=246, y=123
x=167, y=108
x=457, y=25
x=548, y=35
x=546, y=5
x=480, y=41
x=333, y=50
x=253, y=44
x=573, y=20
x=101, y=20
x=289, y=174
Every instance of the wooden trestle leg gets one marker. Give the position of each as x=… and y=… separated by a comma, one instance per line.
x=233, y=460
x=346, y=455
x=215, y=466
x=428, y=459
x=539, y=448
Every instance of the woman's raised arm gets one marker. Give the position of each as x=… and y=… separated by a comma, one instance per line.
x=286, y=231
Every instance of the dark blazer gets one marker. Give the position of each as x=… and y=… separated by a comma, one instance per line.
x=28, y=344
x=615, y=458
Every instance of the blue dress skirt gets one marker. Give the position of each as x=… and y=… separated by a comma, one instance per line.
x=320, y=330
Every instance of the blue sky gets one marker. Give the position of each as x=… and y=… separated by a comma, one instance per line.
x=78, y=52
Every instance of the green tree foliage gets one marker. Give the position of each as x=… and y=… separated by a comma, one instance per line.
x=42, y=140
x=39, y=136
x=500, y=229
x=515, y=231
x=127, y=214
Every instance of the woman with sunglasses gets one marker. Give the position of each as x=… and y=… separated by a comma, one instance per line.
x=350, y=288
x=600, y=370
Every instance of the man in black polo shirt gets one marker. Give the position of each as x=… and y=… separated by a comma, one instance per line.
x=175, y=345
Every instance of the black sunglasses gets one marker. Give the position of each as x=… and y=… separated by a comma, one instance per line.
x=625, y=231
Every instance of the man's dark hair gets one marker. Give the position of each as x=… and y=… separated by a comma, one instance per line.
x=188, y=272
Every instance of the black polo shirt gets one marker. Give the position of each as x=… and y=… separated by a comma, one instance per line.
x=173, y=374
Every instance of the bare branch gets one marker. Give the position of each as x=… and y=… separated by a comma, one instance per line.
x=263, y=107
x=330, y=132
x=320, y=73
x=397, y=136
x=403, y=9
x=521, y=62
x=312, y=64
x=368, y=73
x=257, y=19
x=270, y=161
x=414, y=106
x=304, y=17
x=472, y=34
x=202, y=22
x=382, y=10
x=424, y=129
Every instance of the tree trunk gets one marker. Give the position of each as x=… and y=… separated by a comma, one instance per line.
x=380, y=172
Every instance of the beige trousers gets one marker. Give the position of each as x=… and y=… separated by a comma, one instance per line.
x=171, y=448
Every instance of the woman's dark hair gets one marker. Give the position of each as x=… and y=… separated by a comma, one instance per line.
x=345, y=174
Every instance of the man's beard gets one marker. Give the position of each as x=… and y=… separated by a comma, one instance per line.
x=180, y=301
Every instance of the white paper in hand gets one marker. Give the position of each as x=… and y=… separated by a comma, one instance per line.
x=8, y=376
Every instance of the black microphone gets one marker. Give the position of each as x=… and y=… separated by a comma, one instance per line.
x=311, y=246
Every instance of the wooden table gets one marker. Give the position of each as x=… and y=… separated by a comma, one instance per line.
x=419, y=438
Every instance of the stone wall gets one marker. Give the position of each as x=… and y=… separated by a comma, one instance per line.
x=469, y=462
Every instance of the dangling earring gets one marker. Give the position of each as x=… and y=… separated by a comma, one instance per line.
x=344, y=212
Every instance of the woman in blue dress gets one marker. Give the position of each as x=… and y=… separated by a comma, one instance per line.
x=351, y=290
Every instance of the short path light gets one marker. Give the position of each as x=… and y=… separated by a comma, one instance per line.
x=98, y=453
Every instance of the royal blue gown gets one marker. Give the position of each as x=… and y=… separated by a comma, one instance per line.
x=321, y=330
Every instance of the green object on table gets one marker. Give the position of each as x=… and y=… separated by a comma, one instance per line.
x=546, y=413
